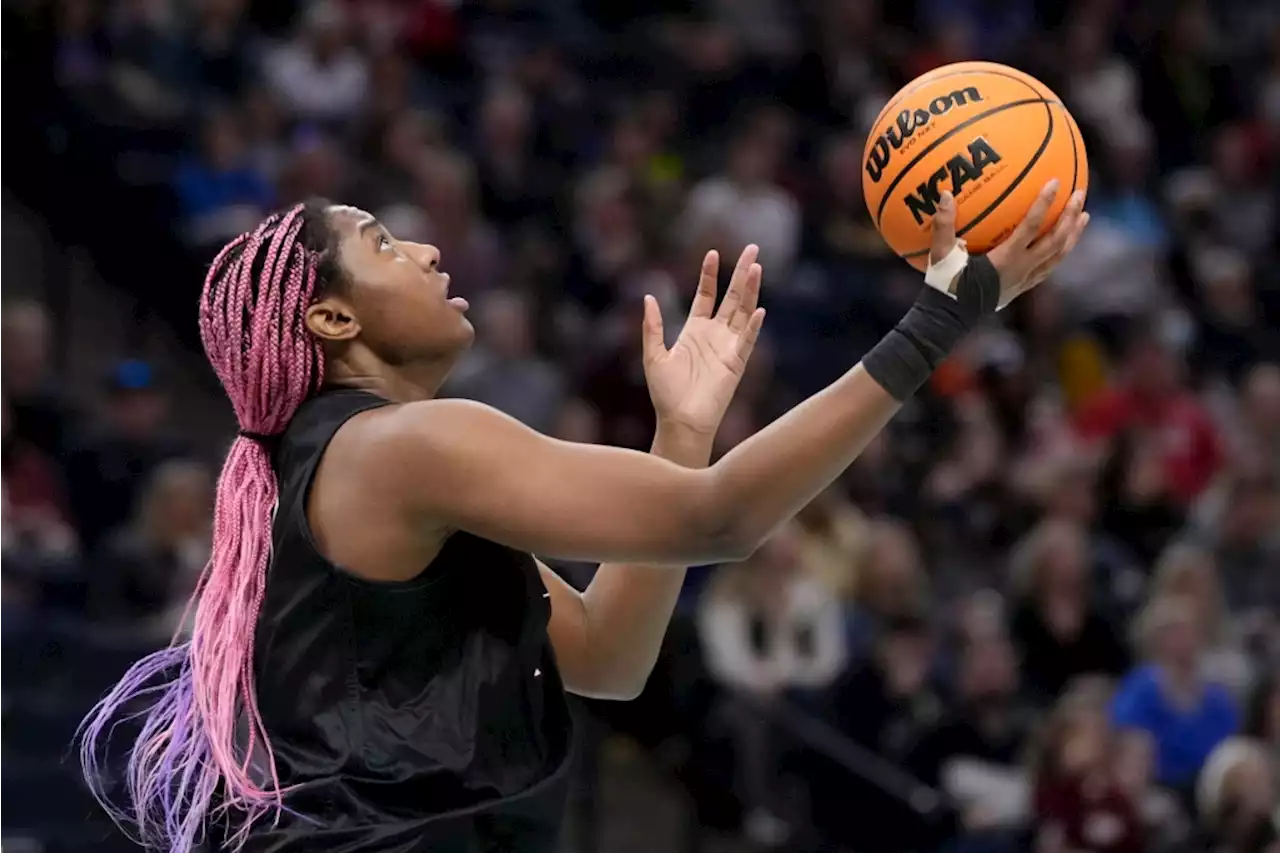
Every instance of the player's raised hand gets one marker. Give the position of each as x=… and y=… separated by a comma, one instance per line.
x=1022, y=260
x=692, y=383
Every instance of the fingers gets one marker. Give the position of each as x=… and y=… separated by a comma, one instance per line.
x=651, y=337
x=943, y=228
x=747, y=340
x=1054, y=246
x=704, y=301
x=1075, y=235
x=1071, y=226
x=1031, y=224
x=750, y=299
x=1067, y=225
x=734, y=296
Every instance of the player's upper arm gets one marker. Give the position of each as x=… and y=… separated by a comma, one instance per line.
x=462, y=465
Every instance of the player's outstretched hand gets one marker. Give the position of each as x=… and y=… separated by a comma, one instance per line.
x=692, y=383
x=1022, y=260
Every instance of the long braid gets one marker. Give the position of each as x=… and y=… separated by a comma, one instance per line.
x=187, y=753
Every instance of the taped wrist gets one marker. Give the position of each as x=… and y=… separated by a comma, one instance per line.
x=906, y=357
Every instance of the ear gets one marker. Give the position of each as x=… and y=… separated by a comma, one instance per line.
x=332, y=320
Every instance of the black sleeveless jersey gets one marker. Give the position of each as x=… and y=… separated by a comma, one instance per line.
x=406, y=717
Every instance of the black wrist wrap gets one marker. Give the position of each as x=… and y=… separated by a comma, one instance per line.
x=905, y=358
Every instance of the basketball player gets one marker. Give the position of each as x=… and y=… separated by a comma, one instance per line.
x=377, y=662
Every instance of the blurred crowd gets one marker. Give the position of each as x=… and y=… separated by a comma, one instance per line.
x=1049, y=593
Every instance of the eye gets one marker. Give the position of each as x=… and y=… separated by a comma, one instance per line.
x=384, y=243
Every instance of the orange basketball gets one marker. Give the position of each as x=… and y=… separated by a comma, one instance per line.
x=990, y=134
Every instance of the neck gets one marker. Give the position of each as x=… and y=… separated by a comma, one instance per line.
x=1180, y=679
x=400, y=385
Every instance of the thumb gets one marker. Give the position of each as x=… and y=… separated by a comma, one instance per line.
x=944, y=229
x=651, y=335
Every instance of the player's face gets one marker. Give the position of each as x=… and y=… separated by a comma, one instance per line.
x=398, y=296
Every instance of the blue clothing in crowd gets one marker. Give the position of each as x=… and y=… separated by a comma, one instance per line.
x=203, y=191
x=1184, y=736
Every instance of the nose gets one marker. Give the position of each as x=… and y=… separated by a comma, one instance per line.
x=425, y=255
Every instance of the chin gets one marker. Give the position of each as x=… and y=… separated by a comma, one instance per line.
x=466, y=334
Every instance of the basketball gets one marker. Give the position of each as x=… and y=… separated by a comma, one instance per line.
x=990, y=134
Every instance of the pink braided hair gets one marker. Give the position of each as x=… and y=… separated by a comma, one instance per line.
x=251, y=322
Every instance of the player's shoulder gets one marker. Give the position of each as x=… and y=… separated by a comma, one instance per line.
x=406, y=439
x=422, y=424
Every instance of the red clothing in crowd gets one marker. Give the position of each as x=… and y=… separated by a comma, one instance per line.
x=31, y=483
x=1189, y=441
x=426, y=27
x=1105, y=821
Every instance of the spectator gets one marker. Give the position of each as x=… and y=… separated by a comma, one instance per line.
x=1233, y=334
x=1140, y=510
x=1165, y=821
x=1243, y=213
x=315, y=167
x=392, y=87
x=318, y=74
x=35, y=502
x=608, y=242
x=220, y=191
x=1063, y=484
x=1152, y=402
x=767, y=626
x=975, y=752
x=1239, y=522
x=1262, y=720
x=1126, y=201
x=1170, y=698
x=1180, y=64
x=1188, y=571
x=148, y=568
x=1060, y=631
x=107, y=466
x=889, y=580
x=40, y=412
x=636, y=148
x=397, y=150
x=1257, y=430
x=832, y=537
x=1079, y=803
x=263, y=126
x=504, y=370
x=763, y=27
x=219, y=49
x=840, y=227
x=886, y=705
x=1101, y=86
x=513, y=188
x=746, y=201
x=469, y=247
x=146, y=54
x=1236, y=794
x=964, y=485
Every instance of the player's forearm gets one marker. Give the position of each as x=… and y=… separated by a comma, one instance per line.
x=629, y=606
x=771, y=476
x=774, y=474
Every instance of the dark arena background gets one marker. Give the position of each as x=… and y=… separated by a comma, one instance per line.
x=1041, y=613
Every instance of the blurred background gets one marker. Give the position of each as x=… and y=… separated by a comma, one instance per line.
x=1040, y=613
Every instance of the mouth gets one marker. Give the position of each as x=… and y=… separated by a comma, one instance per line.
x=457, y=303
